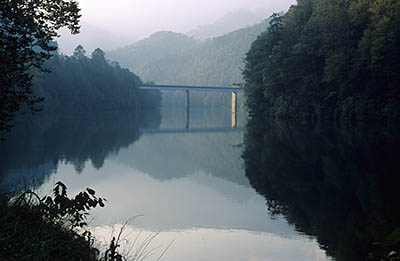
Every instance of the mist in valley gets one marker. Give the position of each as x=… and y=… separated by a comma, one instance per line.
x=113, y=24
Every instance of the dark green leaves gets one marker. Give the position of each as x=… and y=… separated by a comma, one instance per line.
x=73, y=209
x=91, y=191
x=320, y=47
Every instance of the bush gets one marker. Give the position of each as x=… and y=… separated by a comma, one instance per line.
x=48, y=228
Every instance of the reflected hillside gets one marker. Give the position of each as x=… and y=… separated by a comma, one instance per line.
x=338, y=186
x=34, y=149
x=215, y=149
x=171, y=156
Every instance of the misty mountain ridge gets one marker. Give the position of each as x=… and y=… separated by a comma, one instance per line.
x=174, y=58
x=91, y=37
x=228, y=23
x=151, y=49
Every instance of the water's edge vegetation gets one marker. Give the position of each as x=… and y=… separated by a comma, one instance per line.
x=48, y=228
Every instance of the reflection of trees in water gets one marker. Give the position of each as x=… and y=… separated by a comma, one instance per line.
x=167, y=156
x=173, y=156
x=340, y=187
x=49, y=139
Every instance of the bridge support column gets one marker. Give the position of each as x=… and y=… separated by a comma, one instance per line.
x=234, y=109
x=187, y=109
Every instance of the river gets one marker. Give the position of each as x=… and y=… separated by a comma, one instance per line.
x=187, y=187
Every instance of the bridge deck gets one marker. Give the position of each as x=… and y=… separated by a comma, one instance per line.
x=190, y=130
x=190, y=88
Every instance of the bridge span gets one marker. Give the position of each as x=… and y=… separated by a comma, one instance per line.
x=190, y=88
x=187, y=89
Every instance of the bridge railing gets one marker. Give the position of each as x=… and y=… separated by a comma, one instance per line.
x=190, y=88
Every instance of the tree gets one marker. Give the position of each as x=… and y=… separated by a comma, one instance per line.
x=79, y=52
x=98, y=55
x=27, y=31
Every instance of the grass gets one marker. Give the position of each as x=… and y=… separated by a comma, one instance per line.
x=135, y=248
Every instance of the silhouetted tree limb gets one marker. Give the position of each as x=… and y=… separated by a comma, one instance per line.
x=27, y=29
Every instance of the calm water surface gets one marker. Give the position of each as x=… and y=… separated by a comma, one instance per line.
x=189, y=185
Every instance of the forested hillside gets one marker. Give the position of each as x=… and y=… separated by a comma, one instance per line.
x=217, y=62
x=329, y=60
x=214, y=62
x=138, y=57
x=82, y=84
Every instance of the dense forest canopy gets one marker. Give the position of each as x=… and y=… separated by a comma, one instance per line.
x=82, y=84
x=329, y=60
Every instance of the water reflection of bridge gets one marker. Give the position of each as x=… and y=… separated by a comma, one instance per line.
x=233, y=90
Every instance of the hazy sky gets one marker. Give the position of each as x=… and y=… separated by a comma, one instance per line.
x=143, y=17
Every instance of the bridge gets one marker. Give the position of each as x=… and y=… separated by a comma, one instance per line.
x=190, y=88
x=190, y=130
x=233, y=90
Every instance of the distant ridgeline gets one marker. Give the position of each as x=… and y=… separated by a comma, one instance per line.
x=82, y=84
x=172, y=58
x=328, y=60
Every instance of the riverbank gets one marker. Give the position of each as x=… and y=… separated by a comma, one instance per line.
x=26, y=234
x=48, y=228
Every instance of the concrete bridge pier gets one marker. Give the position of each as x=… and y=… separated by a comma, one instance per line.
x=187, y=109
x=234, y=109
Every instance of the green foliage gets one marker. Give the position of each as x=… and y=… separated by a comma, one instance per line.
x=47, y=228
x=27, y=31
x=82, y=84
x=387, y=250
x=328, y=60
x=72, y=209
